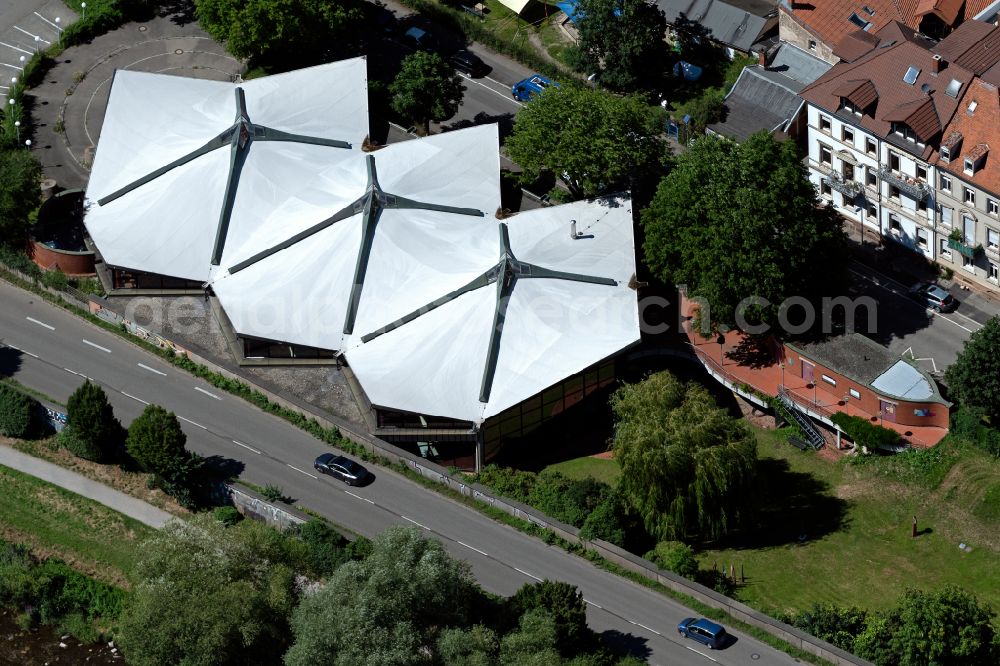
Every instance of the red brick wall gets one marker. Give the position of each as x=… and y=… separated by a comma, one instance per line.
x=75, y=263
x=870, y=400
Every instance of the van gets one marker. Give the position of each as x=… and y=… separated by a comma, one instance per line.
x=524, y=90
x=704, y=631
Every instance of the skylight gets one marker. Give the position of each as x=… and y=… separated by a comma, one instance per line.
x=972, y=107
x=869, y=10
x=911, y=75
x=858, y=21
x=953, y=88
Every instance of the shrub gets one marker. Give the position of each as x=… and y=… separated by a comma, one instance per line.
x=55, y=279
x=565, y=499
x=834, y=624
x=866, y=434
x=565, y=604
x=607, y=521
x=80, y=446
x=227, y=515
x=512, y=483
x=969, y=423
x=156, y=441
x=18, y=413
x=327, y=547
x=674, y=556
x=272, y=493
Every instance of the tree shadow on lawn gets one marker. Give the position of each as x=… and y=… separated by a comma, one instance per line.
x=795, y=507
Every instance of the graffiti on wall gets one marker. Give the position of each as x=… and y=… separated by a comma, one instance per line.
x=132, y=328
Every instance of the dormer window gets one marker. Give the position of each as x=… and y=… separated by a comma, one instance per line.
x=975, y=159
x=849, y=106
x=903, y=130
x=945, y=154
x=969, y=166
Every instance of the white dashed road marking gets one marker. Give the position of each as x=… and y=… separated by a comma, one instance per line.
x=197, y=425
x=302, y=471
x=23, y=351
x=415, y=523
x=210, y=395
x=527, y=574
x=129, y=395
x=40, y=323
x=702, y=654
x=154, y=370
x=363, y=499
x=462, y=543
x=96, y=346
x=248, y=448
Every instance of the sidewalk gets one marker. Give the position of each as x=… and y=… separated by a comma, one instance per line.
x=46, y=471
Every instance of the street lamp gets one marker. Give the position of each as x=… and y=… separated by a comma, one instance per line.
x=83, y=8
x=57, y=25
x=27, y=144
x=17, y=128
x=21, y=61
x=37, y=39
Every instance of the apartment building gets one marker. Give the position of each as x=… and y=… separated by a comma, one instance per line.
x=898, y=142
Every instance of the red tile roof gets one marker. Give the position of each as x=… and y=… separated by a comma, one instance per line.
x=830, y=19
x=946, y=10
x=861, y=94
x=923, y=105
x=973, y=45
x=979, y=130
x=855, y=44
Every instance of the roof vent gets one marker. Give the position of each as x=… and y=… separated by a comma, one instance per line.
x=925, y=88
x=911, y=75
x=972, y=107
x=953, y=88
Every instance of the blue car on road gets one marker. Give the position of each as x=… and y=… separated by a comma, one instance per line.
x=704, y=631
x=524, y=90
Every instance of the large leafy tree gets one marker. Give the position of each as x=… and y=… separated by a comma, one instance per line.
x=565, y=605
x=944, y=627
x=208, y=594
x=688, y=468
x=622, y=42
x=282, y=32
x=974, y=378
x=19, y=194
x=593, y=140
x=733, y=221
x=385, y=609
x=426, y=88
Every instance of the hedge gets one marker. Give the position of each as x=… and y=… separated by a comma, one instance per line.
x=866, y=434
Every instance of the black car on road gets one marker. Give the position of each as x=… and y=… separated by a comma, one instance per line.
x=340, y=467
x=469, y=63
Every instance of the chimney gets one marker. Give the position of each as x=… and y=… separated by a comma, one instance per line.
x=572, y=229
x=937, y=64
x=762, y=58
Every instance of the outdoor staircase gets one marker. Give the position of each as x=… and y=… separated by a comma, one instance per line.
x=791, y=413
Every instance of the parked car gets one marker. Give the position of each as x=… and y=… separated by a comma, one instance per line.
x=469, y=63
x=524, y=90
x=704, y=631
x=340, y=467
x=420, y=39
x=933, y=296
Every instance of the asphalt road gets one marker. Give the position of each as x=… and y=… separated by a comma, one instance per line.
x=906, y=327
x=52, y=351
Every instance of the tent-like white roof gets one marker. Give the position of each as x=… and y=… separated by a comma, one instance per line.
x=433, y=234
x=180, y=161
x=540, y=307
x=516, y=6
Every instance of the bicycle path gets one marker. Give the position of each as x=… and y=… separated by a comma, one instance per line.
x=42, y=469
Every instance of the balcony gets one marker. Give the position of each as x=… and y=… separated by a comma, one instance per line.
x=908, y=186
x=849, y=188
x=959, y=246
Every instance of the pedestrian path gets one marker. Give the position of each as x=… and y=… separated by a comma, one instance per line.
x=42, y=469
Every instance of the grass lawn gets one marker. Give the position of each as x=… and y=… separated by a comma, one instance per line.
x=865, y=555
x=580, y=468
x=88, y=536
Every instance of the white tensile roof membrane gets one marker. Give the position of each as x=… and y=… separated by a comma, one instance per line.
x=301, y=293
x=395, y=257
x=169, y=225
x=448, y=362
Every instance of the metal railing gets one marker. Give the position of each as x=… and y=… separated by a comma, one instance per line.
x=909, y=186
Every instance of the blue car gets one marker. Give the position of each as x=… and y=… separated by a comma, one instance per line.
x=524, y=90
x=704, y=631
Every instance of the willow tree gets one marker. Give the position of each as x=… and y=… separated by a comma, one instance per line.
x=688, y=468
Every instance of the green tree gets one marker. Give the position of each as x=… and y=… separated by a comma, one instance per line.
x=285, y=33
x=426, y=88
x=688, y=468
x=385, y=608
x=92, y=431
x=564, y=604
x=609, y=521
x=733, y=221
x=207, y=594
x=622, y=42
x=19, y=195
x=834, y=624
x=477, y=646
x=155, y=440
x=594, y=141
x=18, y=413
x=974, y=378
x=675, y=556
x=533, y=643
x=944, y=627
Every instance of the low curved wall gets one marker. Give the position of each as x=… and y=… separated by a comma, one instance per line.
x=71, y=262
